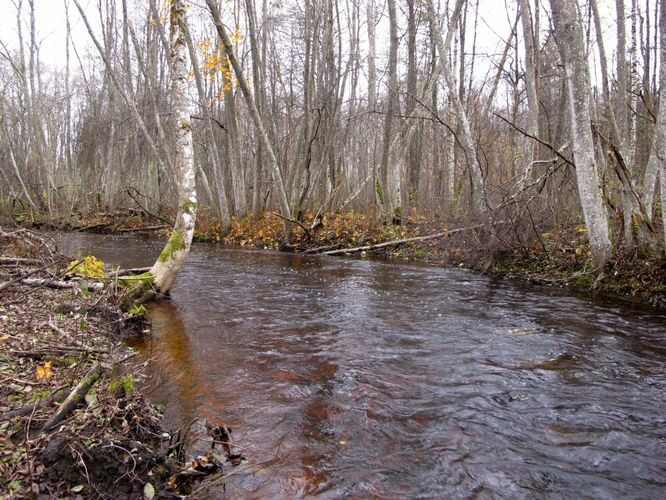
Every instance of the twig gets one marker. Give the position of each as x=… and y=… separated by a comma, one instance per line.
x=535, y=138
x=295, y=221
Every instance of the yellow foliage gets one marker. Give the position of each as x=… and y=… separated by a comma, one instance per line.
x=88, y=267
x=44, y=371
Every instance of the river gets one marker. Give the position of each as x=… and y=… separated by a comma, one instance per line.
x=360, y=378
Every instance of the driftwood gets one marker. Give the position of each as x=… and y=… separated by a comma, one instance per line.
x=31, y=407
x=75, y=397
x=147, y=228
x=393, y=243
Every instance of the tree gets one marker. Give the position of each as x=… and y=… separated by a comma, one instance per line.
x=571, y=43
x=173, y=256
x=278, y=181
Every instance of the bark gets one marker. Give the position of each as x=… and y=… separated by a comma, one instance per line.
x=571, y=43
x=661, y=121
x=389, y=177
x=256, y=118
x=77, y=394
x=465, y=132
x=173, y=256
x=531, y=77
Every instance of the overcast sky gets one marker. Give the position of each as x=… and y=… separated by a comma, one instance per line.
x=493, y=24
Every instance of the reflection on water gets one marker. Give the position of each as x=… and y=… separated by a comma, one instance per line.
x=375, y=380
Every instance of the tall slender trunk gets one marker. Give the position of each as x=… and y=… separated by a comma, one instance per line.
x=278, y=182
x=175, y=252
x=569, y=35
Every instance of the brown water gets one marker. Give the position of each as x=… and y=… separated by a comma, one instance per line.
x=354, y=378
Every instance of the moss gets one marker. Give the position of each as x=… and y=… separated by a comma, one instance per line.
x=176, y=242
x=126, y=382
x=188, y=206
x=379, y=191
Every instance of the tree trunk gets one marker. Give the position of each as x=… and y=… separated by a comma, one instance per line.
x=256, y=118
x=661, y=120
x=569, y=34
x=173, y=256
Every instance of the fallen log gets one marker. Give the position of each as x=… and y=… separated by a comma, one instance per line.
x=31, y=407
x=137, y=229
x=385, y=244
x=59, y=284
x=75, y=397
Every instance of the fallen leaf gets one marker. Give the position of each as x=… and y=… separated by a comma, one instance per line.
x=148, y=491
x=44, y=371
x=4, y=337
x=77, y=488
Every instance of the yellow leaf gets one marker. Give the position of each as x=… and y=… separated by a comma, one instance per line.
x=44, y=371
x=4, y=337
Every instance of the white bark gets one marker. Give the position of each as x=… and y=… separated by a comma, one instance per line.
x=465, y=135
x=175, y=252
x=569, y=34
x=661, y=118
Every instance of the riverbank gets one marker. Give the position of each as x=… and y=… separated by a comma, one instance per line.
x=72, y=422
x=74, y=417
x=557, y=256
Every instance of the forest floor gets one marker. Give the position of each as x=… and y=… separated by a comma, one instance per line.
x=557, y=256
x=74, y=422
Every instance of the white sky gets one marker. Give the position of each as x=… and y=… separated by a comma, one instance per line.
x=493, y=22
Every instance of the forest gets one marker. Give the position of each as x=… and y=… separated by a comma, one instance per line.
x=528, y=118
x=458, y=142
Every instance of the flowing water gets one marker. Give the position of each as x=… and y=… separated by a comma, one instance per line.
x=357, y=378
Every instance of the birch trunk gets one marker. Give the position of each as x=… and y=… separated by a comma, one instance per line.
x=569, y=34
x=661, y=119
x=173, y=256
x=465, y=132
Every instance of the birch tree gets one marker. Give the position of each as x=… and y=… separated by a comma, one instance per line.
x=571, y=43
x=173, y=256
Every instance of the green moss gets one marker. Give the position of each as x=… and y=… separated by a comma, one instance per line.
x=39, y=394
x=379, y=190
x=188, y=206
x=126, y=382
x=176, y=242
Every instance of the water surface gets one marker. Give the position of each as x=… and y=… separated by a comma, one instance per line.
x=356, y=378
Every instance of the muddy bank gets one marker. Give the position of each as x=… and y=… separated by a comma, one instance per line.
x=74, y=419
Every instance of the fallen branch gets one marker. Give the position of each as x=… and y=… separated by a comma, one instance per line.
x=75, y=397
x=443, y=234
x=31, y=407
x=93, y=286
x=19, y=260
x=323, y=248
x=294, y=221
x=131, y=270
x=147, y=228
x=93, y=226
